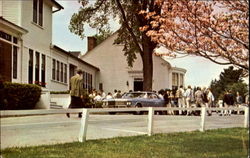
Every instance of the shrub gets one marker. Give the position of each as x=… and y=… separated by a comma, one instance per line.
x=21, y=96
x=59, y=92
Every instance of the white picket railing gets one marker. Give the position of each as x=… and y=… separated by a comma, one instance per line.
x=150, y=110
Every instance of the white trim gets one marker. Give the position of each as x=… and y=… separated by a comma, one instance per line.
x=14, y=44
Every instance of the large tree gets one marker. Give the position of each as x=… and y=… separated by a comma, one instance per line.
x=98, y=14
x=217, y=30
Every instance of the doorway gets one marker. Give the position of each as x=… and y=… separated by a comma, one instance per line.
x=138, y=84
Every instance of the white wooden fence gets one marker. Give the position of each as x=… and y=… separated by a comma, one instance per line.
x=150, y=110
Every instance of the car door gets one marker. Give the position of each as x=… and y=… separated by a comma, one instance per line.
x=156, y=101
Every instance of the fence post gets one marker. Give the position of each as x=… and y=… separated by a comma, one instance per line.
x=246, y=113
x=84, y=125
x=203, y=117
x=150, y=120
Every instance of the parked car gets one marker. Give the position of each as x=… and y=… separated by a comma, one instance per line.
x=135, y=99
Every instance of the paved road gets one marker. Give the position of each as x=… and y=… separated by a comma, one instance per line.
x=50, y=129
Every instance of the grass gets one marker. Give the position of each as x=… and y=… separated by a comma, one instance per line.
x=220, y=143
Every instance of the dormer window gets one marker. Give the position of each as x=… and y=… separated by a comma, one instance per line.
x=38, y=12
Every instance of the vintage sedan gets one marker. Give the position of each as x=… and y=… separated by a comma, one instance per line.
x=135, y=99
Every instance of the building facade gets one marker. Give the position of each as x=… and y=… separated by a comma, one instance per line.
x=116, y=74
x=27, y=53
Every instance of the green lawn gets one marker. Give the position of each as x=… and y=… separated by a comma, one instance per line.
x=223, y=143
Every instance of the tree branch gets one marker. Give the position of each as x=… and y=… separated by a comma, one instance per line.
x=128, y=27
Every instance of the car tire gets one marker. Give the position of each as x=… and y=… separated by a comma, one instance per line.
x=112, y=113
x=138, y=112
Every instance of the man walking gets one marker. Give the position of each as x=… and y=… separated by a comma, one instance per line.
x=181, y=99
x=76, y=92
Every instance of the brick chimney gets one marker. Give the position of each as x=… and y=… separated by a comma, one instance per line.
x=91, y=43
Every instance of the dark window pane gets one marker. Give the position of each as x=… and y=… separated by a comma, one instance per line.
x=5, y=36
x=30, y=66
x=37, y=68
x=65, y=73
x=57, y=70
x=15, y=40
x=43, y=70
x=35, y=11
x=61, y=72
x=41, y=12
x=54, y=70
x=14, y=62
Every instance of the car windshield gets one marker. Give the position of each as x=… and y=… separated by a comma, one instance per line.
x=134, y=95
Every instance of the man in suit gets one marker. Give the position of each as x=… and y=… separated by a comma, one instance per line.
x=76, y=92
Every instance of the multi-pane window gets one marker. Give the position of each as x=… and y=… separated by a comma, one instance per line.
x=5, y=36
x=57, y=70
x=61, y=77
x=30, y=66
x=38, y=12
x=54, y=69
x=175, y=79
x=87, y=81
x=43, y=70
x=37, y=67
x=181, y=79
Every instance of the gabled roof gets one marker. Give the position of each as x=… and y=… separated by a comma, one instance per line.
x=71, y=55
x=57, y=4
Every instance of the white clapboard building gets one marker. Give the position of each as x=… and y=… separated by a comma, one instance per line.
x=27, y=54
x=116, y=74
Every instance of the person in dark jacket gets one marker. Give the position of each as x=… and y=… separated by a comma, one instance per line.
x=228, y=101
x=76, y=91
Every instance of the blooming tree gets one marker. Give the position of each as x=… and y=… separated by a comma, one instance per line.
x=217, y=30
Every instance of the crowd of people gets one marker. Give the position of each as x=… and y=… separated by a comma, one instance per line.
x=100, y=95
x=181, y=97
x=199, y=97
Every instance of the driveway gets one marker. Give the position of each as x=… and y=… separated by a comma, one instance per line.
x=51, y=129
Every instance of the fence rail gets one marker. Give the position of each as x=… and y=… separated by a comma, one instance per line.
x=150, y=110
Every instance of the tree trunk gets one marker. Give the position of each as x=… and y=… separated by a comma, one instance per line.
x=147, y=61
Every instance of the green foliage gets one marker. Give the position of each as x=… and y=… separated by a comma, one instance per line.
x=59, y=92
x=221, y=143
x=240, y=87
x=21, y=96
x=99, y=14
x=103, y=35
x=229, y=80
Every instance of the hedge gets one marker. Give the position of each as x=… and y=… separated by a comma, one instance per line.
x=21, y=96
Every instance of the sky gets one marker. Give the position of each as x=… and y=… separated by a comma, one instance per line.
x=200, y=71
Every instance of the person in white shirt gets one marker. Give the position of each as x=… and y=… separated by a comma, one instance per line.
x=181, y=99
x=109, y=96
x=115, y=93
x=103, y=95
x=98, y=97
x=210, y=98
x=160, y=94
x=188, y=97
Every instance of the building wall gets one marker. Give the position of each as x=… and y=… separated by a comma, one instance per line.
x=63, y=58
x=38, y=38
x=115, y=73
x=11, y=10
